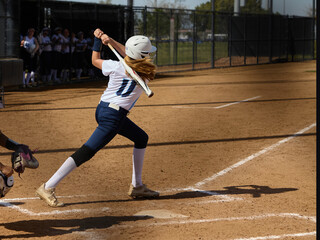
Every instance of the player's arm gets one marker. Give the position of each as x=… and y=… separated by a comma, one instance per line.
x=118, y=46
x=37, y=46
x=96, y=48
x=8, y=143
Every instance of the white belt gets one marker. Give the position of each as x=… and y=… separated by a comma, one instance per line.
x=114, y=106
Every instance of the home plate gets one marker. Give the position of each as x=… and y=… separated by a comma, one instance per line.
x=161, y=213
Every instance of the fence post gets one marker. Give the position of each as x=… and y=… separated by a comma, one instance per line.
x=270, y=37
x=176, y=24
x=157, y=34
x=245, y=38
x=258, y=40
x=304, y=38
x=194, y=42
x=230, y=40
x=145, y=21
x=213, y=32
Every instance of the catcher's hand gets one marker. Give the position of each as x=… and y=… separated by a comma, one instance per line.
x=23, y=158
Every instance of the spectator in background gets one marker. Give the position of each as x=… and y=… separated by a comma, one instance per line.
x=66, y=56
x=73, y=41
x=30, y=47
x=88, y=53
x=56, y=54
x=80, y=48
x=45, y=55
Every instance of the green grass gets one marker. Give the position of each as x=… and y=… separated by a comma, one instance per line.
x=182, y=52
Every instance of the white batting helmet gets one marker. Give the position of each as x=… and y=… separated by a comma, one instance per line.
x=6, y=183
x=139, y=46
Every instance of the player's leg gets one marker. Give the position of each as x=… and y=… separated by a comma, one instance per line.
x=131, y=131
x=109, y=123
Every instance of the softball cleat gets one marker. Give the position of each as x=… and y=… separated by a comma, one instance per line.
x=142, y=192
x=48, y=195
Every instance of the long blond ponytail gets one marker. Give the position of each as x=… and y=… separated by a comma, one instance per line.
x=144, y=67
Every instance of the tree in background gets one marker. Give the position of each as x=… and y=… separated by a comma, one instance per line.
x=251, y=6
x=105, y=1
x=165, y=4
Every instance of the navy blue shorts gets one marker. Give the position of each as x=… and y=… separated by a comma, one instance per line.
x=112, y=122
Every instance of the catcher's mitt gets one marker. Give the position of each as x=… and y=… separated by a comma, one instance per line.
x=23, y=158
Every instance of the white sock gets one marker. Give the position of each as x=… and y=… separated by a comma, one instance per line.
x=61, y=173
x=32, y=76
x=137, y=161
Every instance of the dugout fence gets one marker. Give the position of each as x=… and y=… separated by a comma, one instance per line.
x=186, y=39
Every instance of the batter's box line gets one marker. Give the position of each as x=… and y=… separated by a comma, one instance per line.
x=55, y=212
x=221, y=197
x=6, y=203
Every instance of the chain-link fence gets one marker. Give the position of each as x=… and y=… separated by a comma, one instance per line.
x=186, y=39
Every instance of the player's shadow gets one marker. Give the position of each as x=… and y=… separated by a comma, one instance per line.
x=253, y=190
x=56, y=227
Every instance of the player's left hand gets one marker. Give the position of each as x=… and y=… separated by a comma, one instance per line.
x=105, y=39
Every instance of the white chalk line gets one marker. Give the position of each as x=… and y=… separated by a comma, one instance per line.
x=37, y=198
x=251, y=157
x=218, y=107
x=6, y=203
x=229, y=104
x=280, y=236
x=254, y=217
x=55, y=212
x=192, y=188
x=234, y=166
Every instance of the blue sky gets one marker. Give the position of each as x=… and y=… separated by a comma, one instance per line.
x=287, y=7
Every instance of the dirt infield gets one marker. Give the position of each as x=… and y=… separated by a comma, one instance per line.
x=232, y=152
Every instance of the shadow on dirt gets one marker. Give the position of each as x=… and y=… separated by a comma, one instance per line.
x=57, y=227
x=254, y=190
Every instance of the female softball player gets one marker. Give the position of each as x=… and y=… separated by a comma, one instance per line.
x=111, y=113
